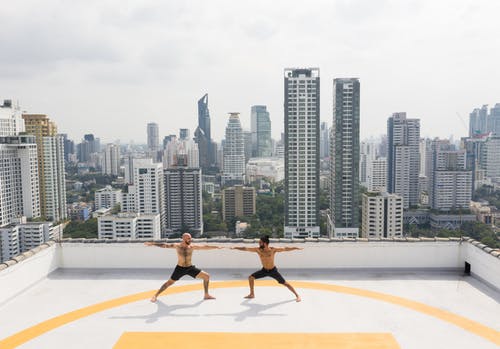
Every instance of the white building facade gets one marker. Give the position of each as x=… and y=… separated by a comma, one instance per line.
x=129, y=226
x=107, y=197
x=382, y=215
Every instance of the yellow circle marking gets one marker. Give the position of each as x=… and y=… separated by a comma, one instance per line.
x=37, y=330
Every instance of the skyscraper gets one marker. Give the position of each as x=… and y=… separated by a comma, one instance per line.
x=403, y=157
x=302, y=116
x=324, y=146
x=19, y=186
x=112, y=159
x=153, y=140
x=344, y=158
x=382, y=215
x=450, y=182
x=203, y=136
x=478, y=121
x=183, y=197
x=11, y=121
x=494, y=120
x=234, y=152
x=261, y=131
x=50, y=148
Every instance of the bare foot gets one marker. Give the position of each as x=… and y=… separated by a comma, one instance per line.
x=153, y=299
x=250, y=296
x=207, y=296
x=298, y=299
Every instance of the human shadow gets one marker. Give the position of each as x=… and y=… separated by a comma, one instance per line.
x=163, y=310
x=254, y=310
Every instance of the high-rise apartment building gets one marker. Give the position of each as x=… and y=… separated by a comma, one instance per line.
x=238, y=201
x=261, y=131
x=368, y=153
x=50, y=147
x=382, y=215
x=403, y=158
x=19, y=185
x=183, y=198
x=148, y=187
x=11, y=121
x=494, y=120
x=247, y=145
x=377, y=179
x=450, y=182
x=234, y=152
x=478, y=121
x=324, y=145
x=344, y=159
x=490, y=154
x=183, y=134
x=111, y=164
x=302, y=117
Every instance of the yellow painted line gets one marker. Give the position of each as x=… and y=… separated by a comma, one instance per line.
x=48, y=325
x=217, y=340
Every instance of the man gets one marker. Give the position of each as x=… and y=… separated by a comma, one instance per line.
x=184, y=265
x=266, y=255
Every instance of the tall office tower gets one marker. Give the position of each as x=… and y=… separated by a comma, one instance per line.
x=478, y=121
x=50, y=147
x=184, y=134
x=494, y=120
x=450, y=182
x=183, y=197
x=89, y=145
x=382, y=215
x=203, y=136
x=247, y=145
x=368, y=153
x=261, y=131
x=112, y=160
x=302, y=116
x=382, y=149
x=186, y=148
x=238, y=201
x=403, y=158
x=153, y=137
x=378, y=178
x=490, y=154
x=234, y=152
x=324, y=145
x=11, y=121
x=344, y=159
x=69, y=148
x=19, y=186
x=148, y=186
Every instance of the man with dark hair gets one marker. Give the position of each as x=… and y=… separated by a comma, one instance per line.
x=266, y=255
x=184, y=265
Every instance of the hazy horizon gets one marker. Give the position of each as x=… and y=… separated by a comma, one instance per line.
x=109, y=68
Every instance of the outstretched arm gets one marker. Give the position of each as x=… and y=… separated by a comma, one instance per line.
x=160, y=244
x=286, y=249
x=248, y=249
x=206, y=247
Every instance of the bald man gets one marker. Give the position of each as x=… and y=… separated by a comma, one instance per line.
x=184, y=265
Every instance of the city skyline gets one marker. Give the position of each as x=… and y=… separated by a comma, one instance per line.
x=90, y=79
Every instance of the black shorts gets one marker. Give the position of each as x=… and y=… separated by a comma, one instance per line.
x=269, y=272
x=181, y=271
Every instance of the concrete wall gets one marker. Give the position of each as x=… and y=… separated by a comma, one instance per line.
x=318, y=255
x=22, y=275
x=484, y=266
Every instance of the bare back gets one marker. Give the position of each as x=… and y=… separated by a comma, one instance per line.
x=184, y=255
x=266, y=256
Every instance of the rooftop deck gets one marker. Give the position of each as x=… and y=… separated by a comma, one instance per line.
x=97, y=296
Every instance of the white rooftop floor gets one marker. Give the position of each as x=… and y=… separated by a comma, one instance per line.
x=398, y=309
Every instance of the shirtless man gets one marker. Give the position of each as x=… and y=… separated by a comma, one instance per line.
x=184, y=265
x=266, y=255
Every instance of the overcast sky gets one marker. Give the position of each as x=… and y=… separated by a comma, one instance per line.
x=110, y=67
